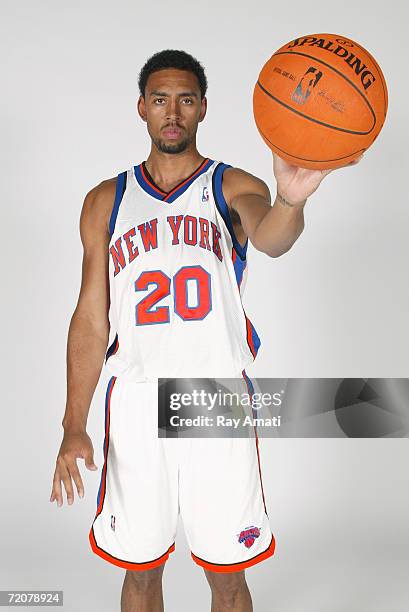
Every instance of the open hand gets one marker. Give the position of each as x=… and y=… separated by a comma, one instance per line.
x=74, y=445
x=296, y=184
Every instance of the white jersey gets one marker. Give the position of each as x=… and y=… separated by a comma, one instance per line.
x=176, y=274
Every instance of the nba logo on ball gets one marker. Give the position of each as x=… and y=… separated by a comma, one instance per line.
x=248, y=536
x=112, y=522
x=320, y=101
x=307, y=83
x=205, y=195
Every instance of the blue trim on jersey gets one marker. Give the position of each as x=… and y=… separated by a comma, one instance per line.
x=146, y=186
x=119, y=193
x=239, y=267
x=255, y=337
x=112, y=348
x=179, y=190
x=224, y=209
x=248, y=382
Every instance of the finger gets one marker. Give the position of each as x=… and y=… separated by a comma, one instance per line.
x=355, y=161
x=325, y=173
x=66, y=479
x=89, y=460
x=56, y=492
x=76, y=476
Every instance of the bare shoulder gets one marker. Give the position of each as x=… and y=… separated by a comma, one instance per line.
x=237, y=181
x=96, y=210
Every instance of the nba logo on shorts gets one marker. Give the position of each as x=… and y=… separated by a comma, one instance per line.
x=112, y=522
x=205, y=195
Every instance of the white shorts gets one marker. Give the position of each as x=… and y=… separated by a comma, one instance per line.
x=214, y=483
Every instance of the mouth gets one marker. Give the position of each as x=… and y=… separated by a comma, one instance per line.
x=172, y=133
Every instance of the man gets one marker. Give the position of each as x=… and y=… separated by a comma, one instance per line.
x=164, y=259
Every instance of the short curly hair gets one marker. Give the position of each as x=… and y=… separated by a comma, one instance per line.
x=172, y=58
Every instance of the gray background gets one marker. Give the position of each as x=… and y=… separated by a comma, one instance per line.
x=334, y=306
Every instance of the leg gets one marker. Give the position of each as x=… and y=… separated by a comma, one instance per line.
x=142, y=591
x=229, y=592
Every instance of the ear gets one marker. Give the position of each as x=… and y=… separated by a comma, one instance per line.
x=203, y=109
x=141, y=108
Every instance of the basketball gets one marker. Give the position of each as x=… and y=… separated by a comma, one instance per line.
x=320, y=101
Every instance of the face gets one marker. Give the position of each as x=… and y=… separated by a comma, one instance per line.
x=172, y=108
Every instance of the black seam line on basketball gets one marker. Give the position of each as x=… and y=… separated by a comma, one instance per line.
x=383, y=82
x=315, y=161
x=238, y=562
x=304, y=116
x=339, y=73
x=221, y=214
x=316, y=120
x=130, y=562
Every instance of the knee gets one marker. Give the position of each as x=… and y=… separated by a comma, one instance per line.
x=145, y=580
x=226, y=587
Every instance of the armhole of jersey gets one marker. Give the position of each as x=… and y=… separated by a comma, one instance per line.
x=119, y=194
x=223, y=208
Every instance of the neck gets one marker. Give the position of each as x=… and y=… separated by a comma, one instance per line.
x=167, y=169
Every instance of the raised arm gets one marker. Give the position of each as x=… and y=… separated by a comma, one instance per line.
x=87, y=341
x=272, y=229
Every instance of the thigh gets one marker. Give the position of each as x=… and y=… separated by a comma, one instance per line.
x=137, y=505
x=222, y=504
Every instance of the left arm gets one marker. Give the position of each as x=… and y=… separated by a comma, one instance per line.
x=272, y=229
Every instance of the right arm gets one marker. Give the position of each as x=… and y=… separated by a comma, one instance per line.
x=87, y=340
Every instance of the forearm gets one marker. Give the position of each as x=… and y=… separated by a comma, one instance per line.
x=279, y=228
x=86, y=348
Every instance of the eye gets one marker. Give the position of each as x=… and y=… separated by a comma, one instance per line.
x=188, y=100
x=158, y=100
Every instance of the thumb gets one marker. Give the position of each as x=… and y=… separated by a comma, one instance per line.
x=89, y=461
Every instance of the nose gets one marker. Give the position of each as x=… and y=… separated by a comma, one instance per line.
x=173, y=109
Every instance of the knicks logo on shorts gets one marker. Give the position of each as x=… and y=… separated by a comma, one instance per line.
x=248, y=536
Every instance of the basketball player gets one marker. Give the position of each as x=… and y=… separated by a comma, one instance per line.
x=165, y=255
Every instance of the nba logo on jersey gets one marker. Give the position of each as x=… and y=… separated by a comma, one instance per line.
x=176, y=271
x=112, y=522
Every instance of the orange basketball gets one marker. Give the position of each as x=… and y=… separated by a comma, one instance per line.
x=320, y=101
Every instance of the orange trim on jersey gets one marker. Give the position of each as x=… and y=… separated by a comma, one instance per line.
x=128, y=564
x=104, y=469
x=259, y=470
x=236, y=567
x=257, y=449
x=189, y=178
x=250, y=336
x=149, y=182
